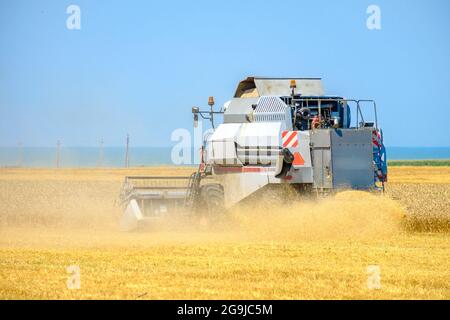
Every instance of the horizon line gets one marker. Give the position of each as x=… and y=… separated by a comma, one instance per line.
x=167, y=146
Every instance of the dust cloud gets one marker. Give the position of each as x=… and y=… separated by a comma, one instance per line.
x=346, y=215
x=69, y=208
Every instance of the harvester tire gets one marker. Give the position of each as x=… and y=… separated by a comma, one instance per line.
x=212, y=200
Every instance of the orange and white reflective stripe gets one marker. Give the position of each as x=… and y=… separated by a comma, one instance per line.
x=222, y=170
x=376, y=138
x=289, y=139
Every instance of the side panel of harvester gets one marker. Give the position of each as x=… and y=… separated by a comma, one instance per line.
x=247, y=156
x=243, y=157
x=342, y=158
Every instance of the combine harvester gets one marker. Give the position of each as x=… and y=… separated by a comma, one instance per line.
x=275, y=132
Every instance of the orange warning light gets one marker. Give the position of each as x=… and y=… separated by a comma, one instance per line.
x=293, y=84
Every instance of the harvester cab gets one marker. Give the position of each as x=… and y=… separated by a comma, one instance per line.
x=275, y=131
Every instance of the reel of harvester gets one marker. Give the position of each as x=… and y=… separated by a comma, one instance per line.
x=147, y=199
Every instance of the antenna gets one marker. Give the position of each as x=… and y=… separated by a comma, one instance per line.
x=58, y=153
x=100, y=154
x=127, y=155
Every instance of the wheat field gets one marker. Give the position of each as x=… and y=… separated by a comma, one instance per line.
x=52, y=219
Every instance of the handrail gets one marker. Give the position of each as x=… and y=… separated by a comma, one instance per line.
x=358, y=106
x=374, y=110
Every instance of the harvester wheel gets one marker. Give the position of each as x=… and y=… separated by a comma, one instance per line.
x=212, y=202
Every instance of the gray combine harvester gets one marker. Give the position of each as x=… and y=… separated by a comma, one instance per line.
x=275, y=131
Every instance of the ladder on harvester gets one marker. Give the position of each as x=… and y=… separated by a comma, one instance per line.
x=193, y=189
x=379, y=158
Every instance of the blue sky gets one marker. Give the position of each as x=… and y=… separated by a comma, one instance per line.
x=139, y=66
